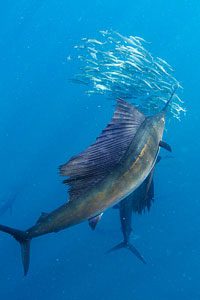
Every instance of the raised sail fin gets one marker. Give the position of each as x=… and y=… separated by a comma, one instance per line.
x=91, y=166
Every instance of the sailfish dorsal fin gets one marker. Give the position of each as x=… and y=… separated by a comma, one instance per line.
x=95, y=163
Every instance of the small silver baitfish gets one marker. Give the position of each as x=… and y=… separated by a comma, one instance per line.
x=104, y=174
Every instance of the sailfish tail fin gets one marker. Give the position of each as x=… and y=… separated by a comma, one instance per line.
x=130, y=247
x=22, y=238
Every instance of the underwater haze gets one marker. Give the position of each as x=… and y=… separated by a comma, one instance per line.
x=45, y=120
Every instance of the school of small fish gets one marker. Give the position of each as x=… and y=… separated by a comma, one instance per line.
x=121, y=67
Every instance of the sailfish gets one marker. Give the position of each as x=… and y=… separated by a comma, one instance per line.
x=104, y=174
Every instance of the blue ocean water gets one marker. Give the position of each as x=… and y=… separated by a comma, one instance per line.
x=45, y=120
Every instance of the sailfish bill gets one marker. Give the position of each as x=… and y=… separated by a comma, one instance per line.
x=104, y=174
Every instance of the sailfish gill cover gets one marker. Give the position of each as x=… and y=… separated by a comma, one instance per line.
x=63, y=64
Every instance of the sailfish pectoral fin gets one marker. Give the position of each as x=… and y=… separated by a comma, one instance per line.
x=165, y=146
x=130, y=247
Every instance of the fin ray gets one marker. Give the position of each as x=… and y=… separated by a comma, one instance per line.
x=93, y=164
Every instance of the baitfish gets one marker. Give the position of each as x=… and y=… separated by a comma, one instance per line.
x=104, y=174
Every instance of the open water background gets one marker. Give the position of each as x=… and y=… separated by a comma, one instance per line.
x=44, y=120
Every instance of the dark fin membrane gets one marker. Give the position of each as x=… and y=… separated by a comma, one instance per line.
x=146, y=192
x=165, y=146
x=21, y=237
x=91, y=166
x=94, y=221
x=129, y=247
x=143, y=197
